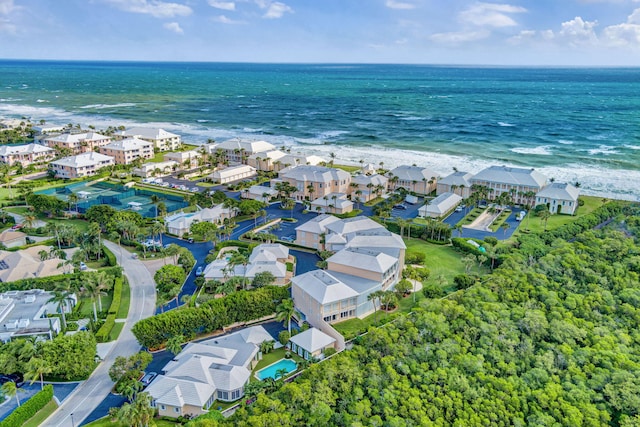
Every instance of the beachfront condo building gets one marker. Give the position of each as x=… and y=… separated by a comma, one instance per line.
x=153, y=169
x=85, y=164
x=560, y=198
x=127, y=151
x=238, y=151
x=233, y=173
x=314, y=182
x=160, y=138
x=458, y=183
x=267, y=257
x=26, y=155
x=520, y=183
x=334, y=203
x=186, y=159
x=77, y=143
x=414, y=179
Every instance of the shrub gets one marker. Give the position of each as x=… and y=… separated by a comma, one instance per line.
x=117, y=296
x=491, y=240
x=329, y=352
x=284, y=337
x=415, y=258
x=28, y=409
x=103, y=333
x=464, y=281
x=432, y=291
x=111, y=258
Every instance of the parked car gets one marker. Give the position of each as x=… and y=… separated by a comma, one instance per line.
x=147, y=378
x=83, y=266
x=190, y=240
x=400, y=206
x=459, y=209
x=199, y=271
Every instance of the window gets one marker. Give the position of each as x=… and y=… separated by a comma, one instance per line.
x=163, y=407
x=177, y=410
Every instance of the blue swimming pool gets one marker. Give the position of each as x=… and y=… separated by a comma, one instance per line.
x=271, y=371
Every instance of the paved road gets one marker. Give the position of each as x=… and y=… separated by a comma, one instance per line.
x=93, y=391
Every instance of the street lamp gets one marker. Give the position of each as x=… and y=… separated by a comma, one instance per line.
x=73, y=424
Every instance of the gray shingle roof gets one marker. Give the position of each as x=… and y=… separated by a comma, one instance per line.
x=511, y=176
x=312, y=340
x=560, y=191
x=323, y=286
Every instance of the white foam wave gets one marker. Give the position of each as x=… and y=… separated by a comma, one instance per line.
x=603, y=149
x=103, y=106
x=633, y=147
x=565, y=142
x=41, y=100
x=542, y=150
x=505, y=124
x=413, y=118
x=202, y=121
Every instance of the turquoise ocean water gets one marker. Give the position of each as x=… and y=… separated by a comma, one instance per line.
x=574, y=124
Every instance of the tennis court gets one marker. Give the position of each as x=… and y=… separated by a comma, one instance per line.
x=122, y=198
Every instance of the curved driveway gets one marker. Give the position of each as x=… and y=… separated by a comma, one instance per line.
x=92, y=392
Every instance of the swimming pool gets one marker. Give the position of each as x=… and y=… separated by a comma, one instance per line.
x=271, y=371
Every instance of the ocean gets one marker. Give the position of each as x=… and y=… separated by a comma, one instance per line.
x=573, y=124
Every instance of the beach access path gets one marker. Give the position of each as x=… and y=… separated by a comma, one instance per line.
x=88, y=395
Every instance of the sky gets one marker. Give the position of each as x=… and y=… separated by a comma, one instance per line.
x=515, y=32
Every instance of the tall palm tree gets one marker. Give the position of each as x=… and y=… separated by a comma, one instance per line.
x=285, y=311
x=92, y=289
x=138, y=413
x=157, y=228
x=174, y=344
x=37, y=368
x=61, y=297
x=374, y=297
x=239, y=259
x=103, y=282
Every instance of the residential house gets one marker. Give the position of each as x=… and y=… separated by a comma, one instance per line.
x=367, y=187
x=298, y=159
x=311, y=344
x=458, y=183
x=521, y=183
x=26, y=154
x=313, y=182
x=238, y=151
x=260, y=193
x=77, y=143
x=13, y=239
x=180, y=223
x=86, y=164
x=25, y=314
x=152, y=169
x=311, y=233
x=12, y=124
x=127, y=151
x=441, y=206
x=48, y=129
x=160, y=138
x=233, y=173
x=216, y=369
x=336, y=203
x=265, y=161
x=560, y=197
x=186, y=159
x=413, y=179
x=271, y=257
x=28, y=264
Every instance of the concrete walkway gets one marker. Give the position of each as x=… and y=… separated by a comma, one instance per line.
x=93, y=391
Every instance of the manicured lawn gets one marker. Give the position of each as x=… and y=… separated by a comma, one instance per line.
x=20, y=210
x=471, y=216
x=106, y=422
x=41, y=415
x=125, y=298
x=347, y=168
x=535, y=225
x=115, y=332
x=79, y=224
x=495, y=226
x=440, y=260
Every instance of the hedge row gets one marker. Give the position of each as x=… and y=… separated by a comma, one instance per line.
x=466, y=247
x=28, y=409
x=117, y=296
x=242, y=306
x=103, y=333
x=111, y=258
x=49, y=283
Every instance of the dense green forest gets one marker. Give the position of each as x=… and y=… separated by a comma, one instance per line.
x=550, y=338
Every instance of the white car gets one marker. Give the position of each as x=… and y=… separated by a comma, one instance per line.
x=83, y=266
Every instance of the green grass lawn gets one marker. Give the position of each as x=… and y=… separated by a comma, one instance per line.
x=115, y=331
x=535, y=225
x=471, y=216
x=348, y=168
x=41, y=415
x=125, y=298
x=495, y=226
x=106, y=422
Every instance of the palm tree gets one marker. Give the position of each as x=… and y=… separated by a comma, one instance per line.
x=73, y=200
x=544, y=216
x=61, y=297
x=29, y=220
x=36, y=369
x=157, y=228
x=281, y=373
x=10, y=389
x=332, y=156
x=285, y=311
x=375, y=297
x=505, y=226
x=54, y=227
x=102, y=282
x=92, y=289
x=138, y=413
x=174, y=344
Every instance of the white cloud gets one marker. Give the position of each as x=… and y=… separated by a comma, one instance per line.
x=394, y=4
x=173, y=26
x=276, y=10
x=155, y=8
x=460, y=37
x=490, y=15
x=224, y=20
x=625, y=34
x=578, y=31
x=224, y=5
x=6, y=7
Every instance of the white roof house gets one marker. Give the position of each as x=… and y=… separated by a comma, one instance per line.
x=155, y=169
x=311, y=343
x=515, y=177
x=259, y=192
x=128, y=144
x=84, y=164
x=265, y=160
x=300, y=159
x=250, y=147
x=310, y=173
x=233, y=173
x=180, y=222
x=318, y=224
x=440, y=206
x=323, y=287
x=25, y=154
x=271, y=257
x=560, y=197
x=217, y=368
x=361, y=258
